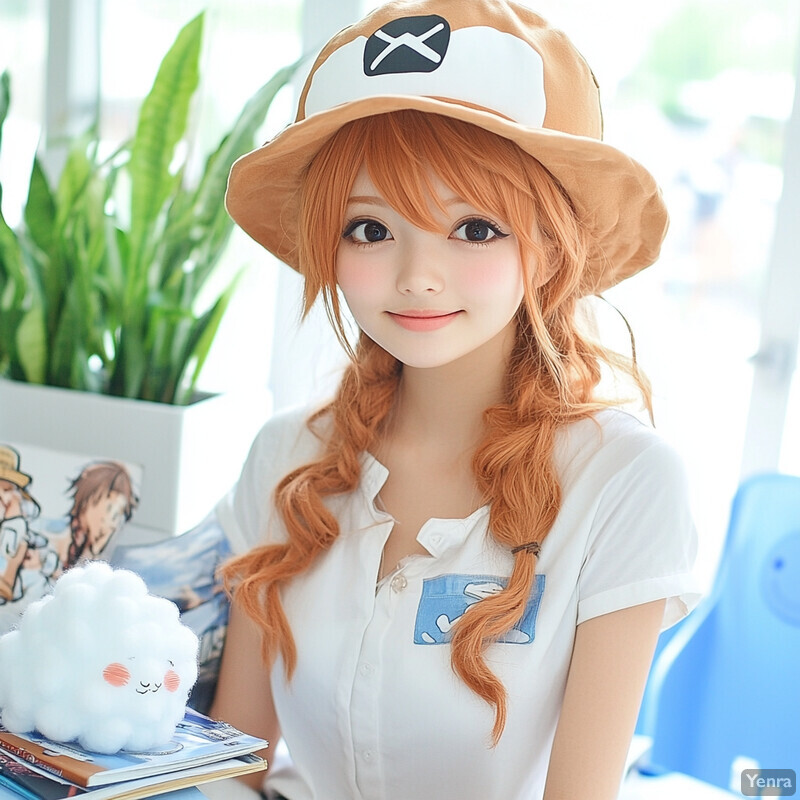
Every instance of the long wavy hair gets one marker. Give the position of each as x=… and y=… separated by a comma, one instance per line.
x=551, y=378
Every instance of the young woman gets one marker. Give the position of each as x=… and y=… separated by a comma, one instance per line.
x=453, y=575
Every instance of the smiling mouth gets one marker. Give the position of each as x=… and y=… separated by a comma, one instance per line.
x=423, y=320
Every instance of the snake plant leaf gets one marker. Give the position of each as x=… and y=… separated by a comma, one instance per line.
x=129, y=371
x=110, y=280
x=74, y=177
x=162, y=124
x=31, y=344
x=200, y=340
x=68, y=339
x=14, y=293
x=69, y=279
x=239, y=140
x=40, y=210
x=11, y=284
x=12, y=265
x=199, y=225
x=5, y=99
x=112, y=259
x=168, y=328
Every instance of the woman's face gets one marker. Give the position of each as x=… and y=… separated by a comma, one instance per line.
x=429, y=298
x=103, y=516
x=10, y=500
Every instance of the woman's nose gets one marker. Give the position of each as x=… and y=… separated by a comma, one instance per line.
x=419, y=272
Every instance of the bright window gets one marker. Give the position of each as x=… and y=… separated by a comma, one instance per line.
x=23, y=48
x=699, y=91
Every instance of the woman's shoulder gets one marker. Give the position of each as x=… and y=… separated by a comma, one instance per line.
x=287, y=437
x=284, y=442
x=611, y=441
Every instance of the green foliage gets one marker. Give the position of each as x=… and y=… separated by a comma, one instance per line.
x=91, y=303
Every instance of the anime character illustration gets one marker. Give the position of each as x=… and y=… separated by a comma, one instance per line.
x=36, y=548
x=471, y=479
x=19, y=544
x=103, y=500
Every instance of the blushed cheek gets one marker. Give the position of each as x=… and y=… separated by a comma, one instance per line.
x=362, y=288
x=171, y=681
x=499, y=280
x=116, y=675
x=356, y=275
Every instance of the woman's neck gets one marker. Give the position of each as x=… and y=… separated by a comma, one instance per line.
x=443, y=406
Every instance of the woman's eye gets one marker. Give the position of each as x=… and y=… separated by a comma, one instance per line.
x=478, y=230
x=366, y=232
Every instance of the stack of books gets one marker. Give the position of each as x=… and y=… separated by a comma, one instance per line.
x=201, y=750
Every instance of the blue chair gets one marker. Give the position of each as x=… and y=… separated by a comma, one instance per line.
x=727, y=684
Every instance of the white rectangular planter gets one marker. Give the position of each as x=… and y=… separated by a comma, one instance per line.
x=190, y=455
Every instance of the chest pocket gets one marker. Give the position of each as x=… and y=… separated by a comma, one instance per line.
x=446, y=598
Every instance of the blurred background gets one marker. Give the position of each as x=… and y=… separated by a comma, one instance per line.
x=701, y=91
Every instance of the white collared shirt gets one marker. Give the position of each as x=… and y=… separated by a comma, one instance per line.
x=374, y=709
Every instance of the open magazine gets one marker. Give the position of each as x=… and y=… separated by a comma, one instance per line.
x=198, y=740
x=19, y=779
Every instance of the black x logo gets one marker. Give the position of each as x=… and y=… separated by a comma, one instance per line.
x=409, y=44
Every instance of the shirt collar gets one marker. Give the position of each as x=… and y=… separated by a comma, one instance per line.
x=437, y=536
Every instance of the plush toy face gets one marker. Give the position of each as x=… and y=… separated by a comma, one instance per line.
x=100, y=661
x=119, y=675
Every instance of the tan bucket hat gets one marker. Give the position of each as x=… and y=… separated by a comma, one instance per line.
x=10, y=471
x=9, y=467
x=491, y=63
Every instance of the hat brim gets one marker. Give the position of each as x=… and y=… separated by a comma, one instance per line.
x=15, y=476
x=615, y=197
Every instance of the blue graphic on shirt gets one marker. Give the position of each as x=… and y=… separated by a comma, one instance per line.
x=445, y=599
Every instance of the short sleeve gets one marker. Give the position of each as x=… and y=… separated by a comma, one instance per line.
x=643, y=542
x=247, y=512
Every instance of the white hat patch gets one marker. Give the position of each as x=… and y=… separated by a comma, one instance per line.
x=423, y=57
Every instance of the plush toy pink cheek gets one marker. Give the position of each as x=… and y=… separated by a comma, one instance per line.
x=116, y=675
x=171, y=681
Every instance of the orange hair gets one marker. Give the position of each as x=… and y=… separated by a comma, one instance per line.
x=551, y=378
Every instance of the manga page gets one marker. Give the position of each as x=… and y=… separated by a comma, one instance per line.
x=57, y=509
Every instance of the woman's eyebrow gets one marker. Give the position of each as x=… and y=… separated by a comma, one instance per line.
x=367, y=200
x=373, y=200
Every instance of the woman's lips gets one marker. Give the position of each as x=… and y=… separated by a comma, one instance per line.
x=423, y=320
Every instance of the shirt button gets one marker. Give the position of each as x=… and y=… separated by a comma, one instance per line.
x=367, y=755
x=436, y=538
x=399, y=583
x=367, y=669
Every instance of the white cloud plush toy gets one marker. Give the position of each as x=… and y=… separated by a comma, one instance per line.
x=100, y=662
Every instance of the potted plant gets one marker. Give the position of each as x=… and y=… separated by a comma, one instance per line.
x=99, y=293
